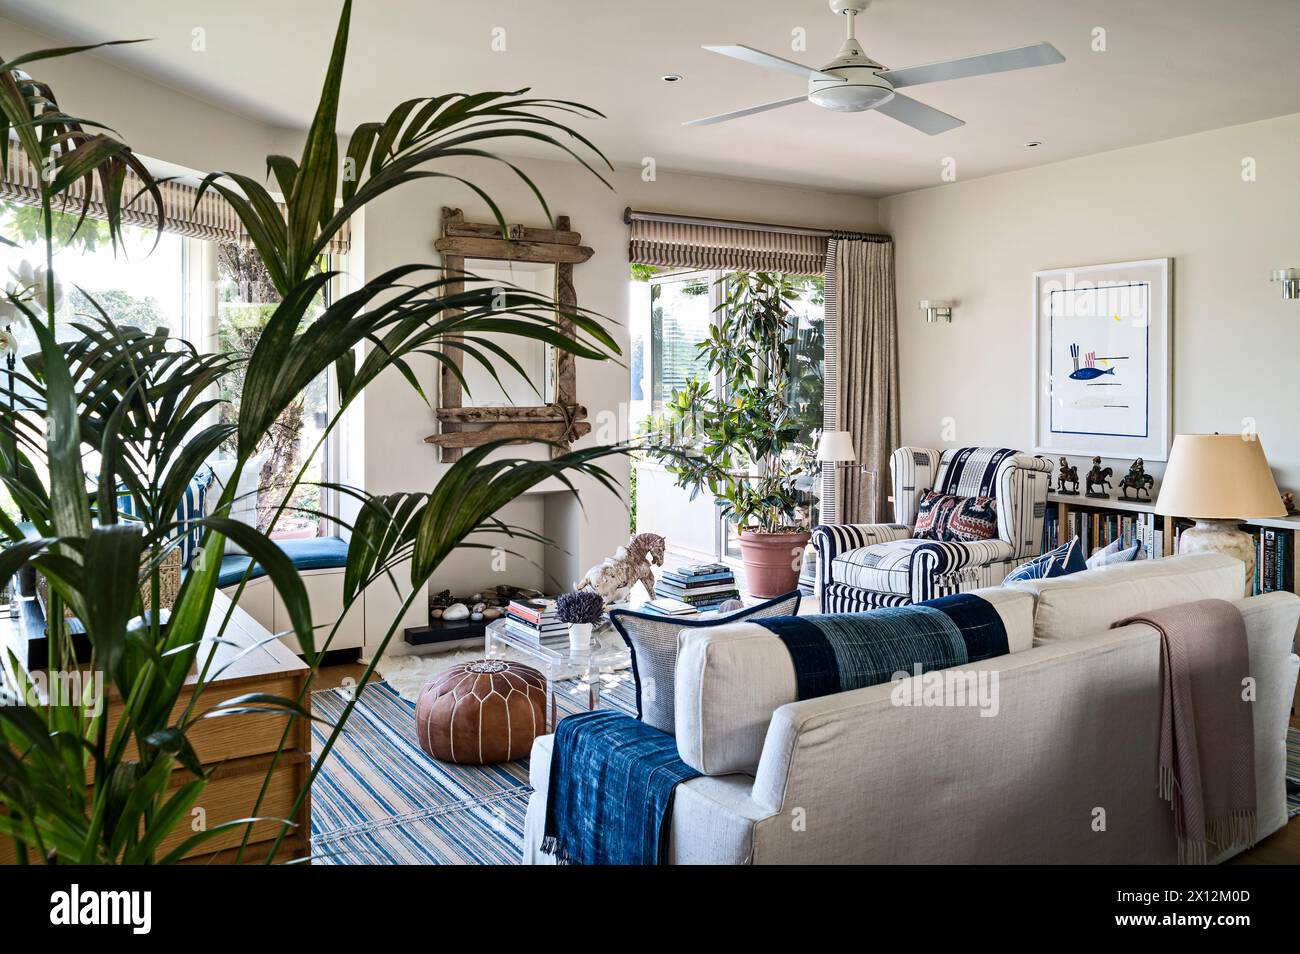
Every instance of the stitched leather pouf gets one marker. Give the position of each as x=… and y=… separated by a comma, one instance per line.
x=481, y=712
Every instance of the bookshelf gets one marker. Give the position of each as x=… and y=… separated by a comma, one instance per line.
x=1101, y=511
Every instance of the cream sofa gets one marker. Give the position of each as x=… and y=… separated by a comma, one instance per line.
x=1064, y=772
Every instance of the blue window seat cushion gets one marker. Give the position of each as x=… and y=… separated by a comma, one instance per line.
x=314, y=553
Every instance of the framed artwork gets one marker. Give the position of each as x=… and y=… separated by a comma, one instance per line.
x=1102, y=349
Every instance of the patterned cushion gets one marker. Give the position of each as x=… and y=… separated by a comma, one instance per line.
x=1065, y=559
x=653, y=641
x=1116, y=552
x=956, y=519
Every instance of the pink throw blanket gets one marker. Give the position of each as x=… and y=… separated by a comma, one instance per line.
x=1207, y=728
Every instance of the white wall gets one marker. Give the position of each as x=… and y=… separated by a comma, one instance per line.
x=155, y=120
x=1234, y=340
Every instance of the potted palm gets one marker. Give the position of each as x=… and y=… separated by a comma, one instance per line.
x=136, y=405
x=740, y=438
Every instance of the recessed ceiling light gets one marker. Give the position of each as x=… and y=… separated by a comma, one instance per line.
x=1033, y=144
x=671, y=77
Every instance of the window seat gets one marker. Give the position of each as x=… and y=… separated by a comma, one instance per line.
x=313, y=553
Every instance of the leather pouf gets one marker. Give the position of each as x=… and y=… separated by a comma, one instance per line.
x=481, y=712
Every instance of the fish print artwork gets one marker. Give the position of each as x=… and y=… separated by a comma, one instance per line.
x=1089, y=369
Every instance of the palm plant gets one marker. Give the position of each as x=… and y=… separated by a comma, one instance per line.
x=142, y=402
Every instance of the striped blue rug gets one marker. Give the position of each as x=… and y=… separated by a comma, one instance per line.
x=381, y=800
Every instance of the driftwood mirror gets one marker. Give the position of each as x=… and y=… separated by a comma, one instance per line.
x=539, y=260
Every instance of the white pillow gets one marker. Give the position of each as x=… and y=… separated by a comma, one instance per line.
x=244, y=506
x=1116, y=552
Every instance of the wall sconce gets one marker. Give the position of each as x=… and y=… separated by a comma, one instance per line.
x=1290, y=279
x=937, y=310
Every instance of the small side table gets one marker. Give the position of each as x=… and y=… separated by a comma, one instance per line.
x=607, y=653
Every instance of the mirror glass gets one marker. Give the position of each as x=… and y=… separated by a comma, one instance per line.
x=536, y=358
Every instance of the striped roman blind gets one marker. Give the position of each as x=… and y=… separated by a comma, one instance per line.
x=211, y=219
x=691, y=245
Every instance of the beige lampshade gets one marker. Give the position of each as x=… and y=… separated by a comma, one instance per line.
x=836, y=446
x=1218, y=477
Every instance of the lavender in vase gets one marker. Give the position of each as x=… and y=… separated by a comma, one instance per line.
x=580, y=609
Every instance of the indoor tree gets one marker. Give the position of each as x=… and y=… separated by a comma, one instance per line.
x=140, y=406
x=738, y=434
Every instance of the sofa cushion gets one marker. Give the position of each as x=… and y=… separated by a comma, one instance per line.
x=888, y=567
x=652, y=638
x=952, y=518
x=731, y=678
x=1117, y=551
x=1085, y=603
x=1064, y=560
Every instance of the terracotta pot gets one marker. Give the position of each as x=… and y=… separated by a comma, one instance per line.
x=772, y=561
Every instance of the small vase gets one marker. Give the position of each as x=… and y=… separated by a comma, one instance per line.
x=579, y=636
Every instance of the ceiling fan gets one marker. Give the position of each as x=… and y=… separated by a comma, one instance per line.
x=853, y=81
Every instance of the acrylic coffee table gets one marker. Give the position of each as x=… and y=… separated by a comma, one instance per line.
x=604, y=664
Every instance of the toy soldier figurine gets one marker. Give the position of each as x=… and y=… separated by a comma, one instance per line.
x=1098, y=478
x=1138, y=479
x=1069, y=475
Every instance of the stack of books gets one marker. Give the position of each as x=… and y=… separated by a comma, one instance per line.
x=535, y=621
x=704, y=586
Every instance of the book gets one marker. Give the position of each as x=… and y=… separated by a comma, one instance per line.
x=551, y=625
x=667, y=606
x=672, y=589
x=701, y=580
x=1268, y=570
x=702, y=569
x=533, y=610
x=534, y=636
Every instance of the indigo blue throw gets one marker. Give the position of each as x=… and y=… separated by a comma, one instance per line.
x=611, y=792
x=838, y=653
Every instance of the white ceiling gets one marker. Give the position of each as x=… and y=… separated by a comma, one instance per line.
x=1172, y=67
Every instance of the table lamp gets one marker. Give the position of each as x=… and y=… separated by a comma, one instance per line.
x=1219, y=480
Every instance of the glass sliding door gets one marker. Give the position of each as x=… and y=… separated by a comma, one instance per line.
x=671, y=314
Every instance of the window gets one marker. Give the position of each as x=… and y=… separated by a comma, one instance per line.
x=667, y=328
x=164, y=280
x=138, y=284
x=245, y=300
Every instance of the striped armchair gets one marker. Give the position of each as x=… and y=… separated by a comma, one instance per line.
x=865, y=566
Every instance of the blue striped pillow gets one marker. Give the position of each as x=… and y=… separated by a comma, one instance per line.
x=1065, y=559
x=188, y=513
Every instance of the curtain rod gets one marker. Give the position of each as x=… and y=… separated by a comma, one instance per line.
x=630, y=215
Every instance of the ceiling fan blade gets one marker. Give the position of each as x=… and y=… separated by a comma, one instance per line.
x=916, y=114
x=748, y=54
x=1041, y=54
x=723, y=117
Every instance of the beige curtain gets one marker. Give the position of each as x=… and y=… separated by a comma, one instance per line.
x=868, y=373
x=691, y=245
x=211, y=219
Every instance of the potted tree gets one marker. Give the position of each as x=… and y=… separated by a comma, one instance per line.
x=741, y=437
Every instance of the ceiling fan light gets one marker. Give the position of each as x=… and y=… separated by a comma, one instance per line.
x=849, y=97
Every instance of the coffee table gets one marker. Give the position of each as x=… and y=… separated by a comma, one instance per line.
x=590, y=669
